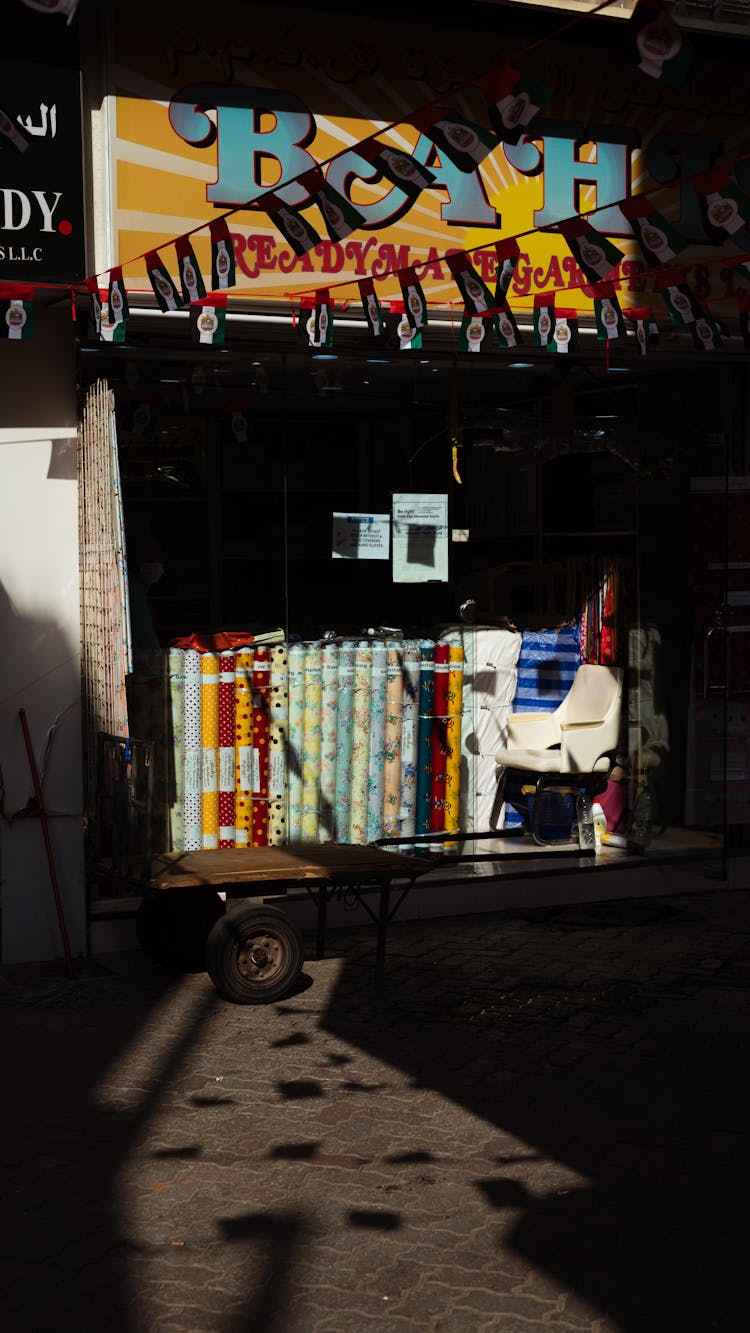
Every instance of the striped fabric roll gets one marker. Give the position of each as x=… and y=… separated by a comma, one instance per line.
x=360, y=742
x=328, y=717
x=296, y=739
x=243, y=765
x=393, y=729
x=424, y=735
x=344, y=724
x=439, y=739
x=177, y=725
x=192, y=836
x=261, y=685
x=277, y=745
x=376, y=761
x=409, y=727
x=210, y=747
x=226, y=749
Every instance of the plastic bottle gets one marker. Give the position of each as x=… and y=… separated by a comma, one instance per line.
x=642, y=823
x=600, y=824
x=585, y=820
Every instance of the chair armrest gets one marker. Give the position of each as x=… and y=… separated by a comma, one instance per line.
x=532, y=731
x=580, y=726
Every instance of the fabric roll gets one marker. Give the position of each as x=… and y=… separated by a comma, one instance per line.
x=158, y=729
x=464, y=637
x=360, y=742
x=192, y=836
x=243, y=763
x=177, y=749
x=439, y=739
x=494, y=688
x=296, y=739
x=409, y=727
x=278, y=728
x=344, y=725
x=376, y=761
x=261, y=686
x=210, y=748
x=311, y=741
x=226, y=749
x=328, y=717
x=453, y=739
x=424, y=735
x=394, y=691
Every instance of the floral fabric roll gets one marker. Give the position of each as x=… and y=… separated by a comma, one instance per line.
x=453, y=740
x=393, y=728
x=177, y=729
x=243, y=757
x=328, y=719
x=344, y=729
x=192, y=835
x=226, y=749
x=210, y=748
x=278, y=730
x=360, y=742
x=311, y=741
x=296, y=739
x=424, y=735
x=409, y=728
x=261, y=685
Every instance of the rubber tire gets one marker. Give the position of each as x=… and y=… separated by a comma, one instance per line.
x=172, y=926
x=232, y=935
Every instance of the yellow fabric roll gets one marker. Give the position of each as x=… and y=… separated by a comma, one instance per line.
x=453, y=739
x=243, y=790
x=210, y=748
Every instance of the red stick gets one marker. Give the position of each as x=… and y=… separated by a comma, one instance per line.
x=47, y=843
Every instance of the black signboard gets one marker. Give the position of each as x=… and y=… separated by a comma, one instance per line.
x=41, y=182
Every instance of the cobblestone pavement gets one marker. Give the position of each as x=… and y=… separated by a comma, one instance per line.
x=541, y=1123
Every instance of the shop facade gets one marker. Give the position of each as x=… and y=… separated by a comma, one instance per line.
x=588, y=505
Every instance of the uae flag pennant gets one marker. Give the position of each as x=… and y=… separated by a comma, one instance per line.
x=414, y=303
x=682, y=304
x=663, y=51
x=295, y=229
x=10, y=133
x=461, y=140
x=408, y=336
x=208, y=320
x=706, y=334
x=564, y=332
x=371, y=307
x=472, y=334
x=507, y=254
x=111, y=330
x=644, y=323
x=161, y=283
x=743, y=307
x=506, y=328
x=340, y=216
x=399, y=168
x=607, y=313
x=95, y=301
x=591, y=250
x=725, y=208
x=222, y=256
x=117, y=297
x=191, y=281
x=658, y=240
x=320, y=323
x=513, y=100
x=477, y=295
x=544, y=311
x=17, y=316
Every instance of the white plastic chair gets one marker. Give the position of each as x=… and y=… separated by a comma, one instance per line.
x=576, y=744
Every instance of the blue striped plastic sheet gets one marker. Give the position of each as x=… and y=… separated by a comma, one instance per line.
x=547, y=665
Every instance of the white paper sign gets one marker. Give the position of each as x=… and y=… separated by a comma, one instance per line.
x=361, y=536
x=420, y=539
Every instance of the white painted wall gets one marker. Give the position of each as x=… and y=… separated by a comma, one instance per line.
x=40, y=638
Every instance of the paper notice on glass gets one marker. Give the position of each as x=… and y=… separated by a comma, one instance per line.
x=420, y=539
x=361, y=536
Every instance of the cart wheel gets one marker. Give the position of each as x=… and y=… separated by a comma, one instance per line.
x=254, y=954
x=173, y=926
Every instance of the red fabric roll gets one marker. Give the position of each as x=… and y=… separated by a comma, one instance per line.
x=439, y=739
